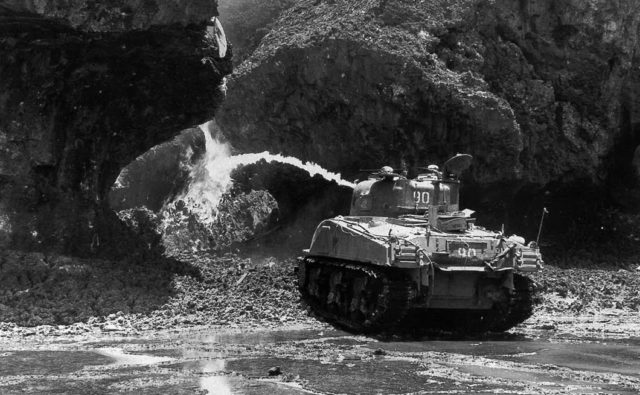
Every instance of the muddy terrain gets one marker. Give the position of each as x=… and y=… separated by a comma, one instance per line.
x=319, y=360
x=235, y=324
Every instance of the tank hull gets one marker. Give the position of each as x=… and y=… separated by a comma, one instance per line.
x=385, y=274
x=371, y=299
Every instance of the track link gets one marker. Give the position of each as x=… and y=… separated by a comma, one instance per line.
x=521, y=303
x=361, y=298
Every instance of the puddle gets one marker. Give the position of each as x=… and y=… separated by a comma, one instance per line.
x=350, y=376
x=48, y=362
x=216, y=385
x=613, y=358
x=320, y=362
x=203, y=366
x=121, y=358
x=546, y=382
x=268, y=337
x=225, y=385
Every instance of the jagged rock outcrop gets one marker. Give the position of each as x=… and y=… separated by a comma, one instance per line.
x=247, y=21
x=76, y=107
x=540, y=92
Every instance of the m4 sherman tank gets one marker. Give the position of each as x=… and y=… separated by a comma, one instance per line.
x=408, y=258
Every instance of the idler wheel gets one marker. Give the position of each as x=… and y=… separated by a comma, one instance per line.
x=521, y=303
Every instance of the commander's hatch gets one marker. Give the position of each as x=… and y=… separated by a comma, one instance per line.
x=457, y=164
x=385, y=172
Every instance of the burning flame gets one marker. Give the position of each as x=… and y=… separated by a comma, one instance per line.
x=211, y=177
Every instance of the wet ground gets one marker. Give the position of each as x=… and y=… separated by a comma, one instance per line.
x=319, y=362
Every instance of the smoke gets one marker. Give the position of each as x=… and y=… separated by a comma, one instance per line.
x=211, y=176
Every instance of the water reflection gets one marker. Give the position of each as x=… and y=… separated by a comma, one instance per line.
x=122, y=358
x=323, y=362
x=270, y=337
x=218, y=385
x=213, y=365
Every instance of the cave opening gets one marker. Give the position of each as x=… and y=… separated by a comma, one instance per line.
x=585, y=225
x=622, y=172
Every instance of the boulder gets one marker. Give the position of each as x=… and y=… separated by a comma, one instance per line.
x=158, y=175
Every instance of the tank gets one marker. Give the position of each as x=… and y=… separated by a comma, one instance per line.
x=407, y=258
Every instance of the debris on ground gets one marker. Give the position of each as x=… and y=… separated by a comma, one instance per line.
x=275, y=371
x=46, y=295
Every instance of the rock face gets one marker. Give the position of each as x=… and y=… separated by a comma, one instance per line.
x=247, y=21
x=119, y=15
x=76, y=107
x=159, y=174
x=540, y=92
x=572, y=84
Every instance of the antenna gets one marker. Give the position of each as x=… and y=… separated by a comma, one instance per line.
x=544, y=211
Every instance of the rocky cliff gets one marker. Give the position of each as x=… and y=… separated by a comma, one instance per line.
x=247, y=21
x=118, y=15
x=542, y=93
x=83, y=91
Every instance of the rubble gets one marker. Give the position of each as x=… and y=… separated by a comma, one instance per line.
x=54, y=295
x=44, y=295
x=583, y=291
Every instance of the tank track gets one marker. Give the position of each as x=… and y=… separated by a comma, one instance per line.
x=374, y=300
x=516, y=308
x=360, y=298
x=522, y=300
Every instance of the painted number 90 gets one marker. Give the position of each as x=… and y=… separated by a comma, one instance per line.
x=421, y=197
x=466, y=252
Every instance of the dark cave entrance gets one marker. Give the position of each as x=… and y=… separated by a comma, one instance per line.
x=625, y=148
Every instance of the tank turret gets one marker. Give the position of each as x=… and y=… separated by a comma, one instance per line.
x=407, y=254
x=434, y=195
